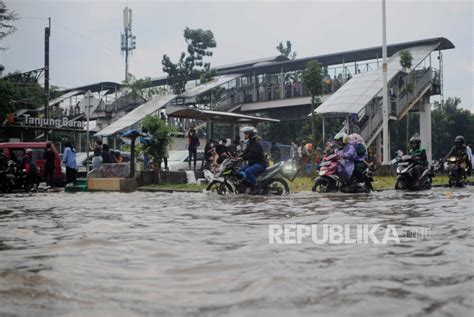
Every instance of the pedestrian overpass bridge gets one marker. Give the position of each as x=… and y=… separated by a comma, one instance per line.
x=272, y=87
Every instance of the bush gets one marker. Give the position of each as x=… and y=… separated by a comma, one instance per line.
x=406, y=59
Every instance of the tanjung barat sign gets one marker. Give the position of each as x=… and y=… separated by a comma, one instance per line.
x=54, y=123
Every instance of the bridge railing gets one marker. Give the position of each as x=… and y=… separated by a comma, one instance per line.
x=418, y=79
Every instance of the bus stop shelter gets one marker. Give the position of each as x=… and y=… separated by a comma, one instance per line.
x=210, y=117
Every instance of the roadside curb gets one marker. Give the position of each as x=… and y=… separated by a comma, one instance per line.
x=167, y=190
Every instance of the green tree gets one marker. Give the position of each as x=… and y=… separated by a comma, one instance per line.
x=286, y=50
x=142, y=87
x=22, y=92
x=448, y=121
x=7, y=96
x=288, y=131
x=312, y=79
x=406, y=59
x=191, y=65
x=6, y=19
x=160, y=137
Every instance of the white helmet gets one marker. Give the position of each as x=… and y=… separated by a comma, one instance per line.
x=354, y=137
x=251, y=131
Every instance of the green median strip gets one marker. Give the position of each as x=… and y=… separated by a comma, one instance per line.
x=300, y=184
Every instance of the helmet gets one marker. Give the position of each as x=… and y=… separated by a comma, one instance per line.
x=251, y=131
x=459, y=139
x=354, y=137
x=341, y=137
x=415, y=139
x=28, y=151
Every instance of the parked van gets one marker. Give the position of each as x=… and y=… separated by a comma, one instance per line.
x=16, y=150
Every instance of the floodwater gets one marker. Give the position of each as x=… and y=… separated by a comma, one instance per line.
x=113, y=254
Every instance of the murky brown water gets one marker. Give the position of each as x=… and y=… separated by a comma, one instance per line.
x=110, y=254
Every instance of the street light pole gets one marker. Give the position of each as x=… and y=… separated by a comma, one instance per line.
x=88, y=96
x=47, y=34
x=385, y=131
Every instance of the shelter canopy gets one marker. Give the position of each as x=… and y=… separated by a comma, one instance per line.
x=200, y=89
x=214, y=116
x=136, y=115
x=354, y=95
x=65, y=96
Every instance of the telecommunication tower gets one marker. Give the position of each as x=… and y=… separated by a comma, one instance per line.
x=128, y=40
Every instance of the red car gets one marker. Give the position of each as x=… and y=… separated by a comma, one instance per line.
x=16, y=150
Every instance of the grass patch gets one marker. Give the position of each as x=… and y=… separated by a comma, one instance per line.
x=380, y=182
x=301, y=184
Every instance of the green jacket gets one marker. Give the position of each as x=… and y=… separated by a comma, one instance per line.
x=419, y=154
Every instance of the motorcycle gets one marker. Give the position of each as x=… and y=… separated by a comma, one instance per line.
x=228, y=179
x=13, y=177
x=457, y=171
x=405, y=179
x=329, y=181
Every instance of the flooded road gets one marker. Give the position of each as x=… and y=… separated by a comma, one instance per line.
x=111, y=254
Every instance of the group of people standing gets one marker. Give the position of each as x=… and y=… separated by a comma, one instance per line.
x=215, y=151
x=103, y=154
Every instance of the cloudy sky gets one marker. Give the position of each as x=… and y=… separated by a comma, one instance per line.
x=85, y=39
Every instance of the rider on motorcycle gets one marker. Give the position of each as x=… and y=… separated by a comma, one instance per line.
x=254, y=155
x=348, y=153
x=459, y=150
x=418, y=154
x=360, y=163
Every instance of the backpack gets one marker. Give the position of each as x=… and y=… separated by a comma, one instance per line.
x=361, y=150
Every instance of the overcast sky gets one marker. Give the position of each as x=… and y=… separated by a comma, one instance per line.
x=85, y=38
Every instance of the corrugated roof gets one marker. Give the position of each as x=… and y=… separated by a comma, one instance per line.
x=279, y=103
x=107, y=86
x=360, y=89
x=64, y=97
x=201, y=114
x=136, y=115
x=217, y=81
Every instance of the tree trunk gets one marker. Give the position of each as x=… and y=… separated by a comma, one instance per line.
x=132, y=158
x=313, y=131
x=158, y=172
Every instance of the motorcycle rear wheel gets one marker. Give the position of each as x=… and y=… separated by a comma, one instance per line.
x=278, y=187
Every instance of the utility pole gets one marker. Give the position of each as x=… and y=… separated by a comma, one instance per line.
x=88, y=113
x=86, y=104
x=128, y=40
x=385, y=131
x=47, y=33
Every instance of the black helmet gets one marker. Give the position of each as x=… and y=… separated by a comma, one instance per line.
x=415, y=139
x=459, y=139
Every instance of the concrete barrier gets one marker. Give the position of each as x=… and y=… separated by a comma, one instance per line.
x=112, y=184
x=97, y=182
x=178, y=177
